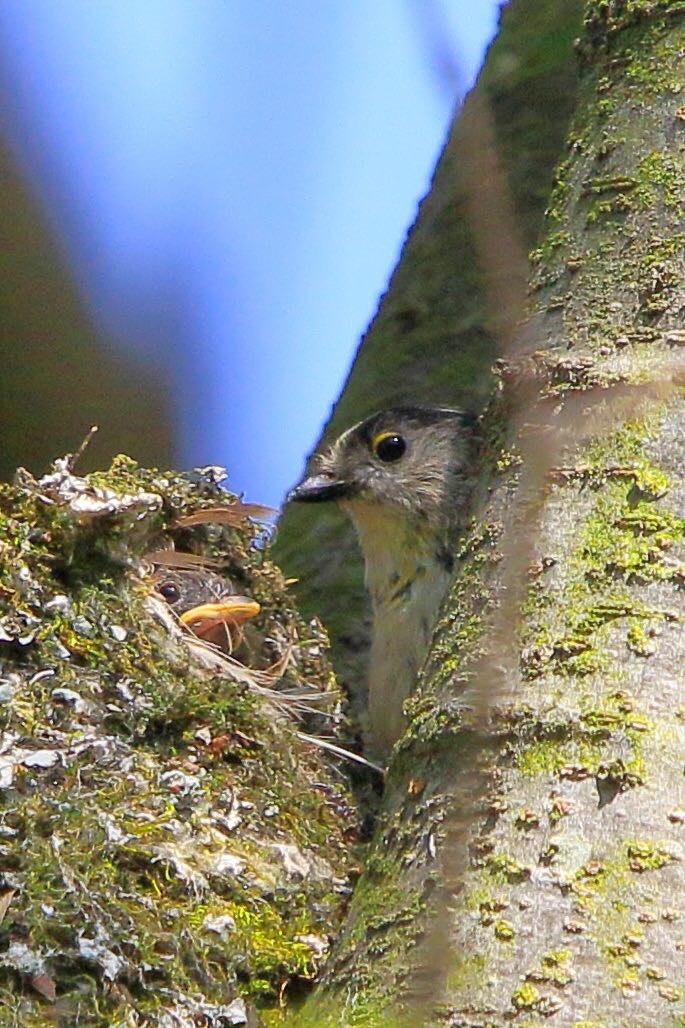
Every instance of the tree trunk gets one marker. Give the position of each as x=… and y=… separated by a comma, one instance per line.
x=528, y=865
x=456, y=289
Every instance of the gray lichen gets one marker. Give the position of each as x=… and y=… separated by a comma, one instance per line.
x=170, y=849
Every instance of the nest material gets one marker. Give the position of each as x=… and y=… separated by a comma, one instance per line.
x=170, y=846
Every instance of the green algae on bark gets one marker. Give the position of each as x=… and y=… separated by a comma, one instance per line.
x=542, y=769
x=437, y=328
x=169, y=848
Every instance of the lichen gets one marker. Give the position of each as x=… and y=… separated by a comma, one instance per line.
x=525, y=997
x=168, y=842
x=504, y=930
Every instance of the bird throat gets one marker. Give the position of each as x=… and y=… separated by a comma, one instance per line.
x=407, y=575
x=398, y=550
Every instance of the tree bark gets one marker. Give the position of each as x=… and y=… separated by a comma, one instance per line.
x=456, y=290
x=528, y=865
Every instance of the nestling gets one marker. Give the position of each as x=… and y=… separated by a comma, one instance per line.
x=207, y=604
x=403, y=477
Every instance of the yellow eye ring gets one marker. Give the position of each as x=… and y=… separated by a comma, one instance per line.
x=388, y=446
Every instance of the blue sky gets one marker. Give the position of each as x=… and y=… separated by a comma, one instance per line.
x=232, y=181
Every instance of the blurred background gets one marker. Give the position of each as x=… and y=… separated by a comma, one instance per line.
x=200, y=204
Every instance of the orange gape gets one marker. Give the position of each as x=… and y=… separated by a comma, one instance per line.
x=207, y=605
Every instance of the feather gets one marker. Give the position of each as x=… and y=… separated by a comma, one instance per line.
x=178, y=559
x=340, y=751
x=232, y=515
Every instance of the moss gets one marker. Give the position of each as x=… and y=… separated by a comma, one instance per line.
x=650, y=70
x=639, y=641
x=553, y=242
x=504, y=930
x=608, y=22
x=555, y=967
x=525, y=997
x=553, y=755
x=357, y=1012
x=648, y=856
x=625, y=538
x=506, y=869
x=487, y=906
x=660, y=177
x=182, y=779
x=605, y=892
x=267, y=944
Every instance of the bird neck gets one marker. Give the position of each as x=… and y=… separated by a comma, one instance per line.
x=407, y=572
x=400, y=552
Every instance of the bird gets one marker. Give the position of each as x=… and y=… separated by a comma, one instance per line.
x=403, y=475
x=207, y=604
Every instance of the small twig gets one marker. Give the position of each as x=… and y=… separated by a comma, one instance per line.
x=74, y=458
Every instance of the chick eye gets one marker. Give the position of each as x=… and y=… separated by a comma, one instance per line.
x=388, y=447
x=170, y=592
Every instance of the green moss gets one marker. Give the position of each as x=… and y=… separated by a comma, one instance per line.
x=506, y=869
x=660, y=178
x=625, y=537
x=648, y=856
x=603, y=209
x=525, y=997
x=606, y=895
x=650, y=69
x=553, y=755
x=504, y=930
x=358, y=1011
x=555, y=967
x=639, y=641
x=266, y=942
x=555, y=241
x=487, y=906
x=190, y=895
x=623, y=540
x=610, y=23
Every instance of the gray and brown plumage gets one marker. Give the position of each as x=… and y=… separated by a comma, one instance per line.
x=403, y=476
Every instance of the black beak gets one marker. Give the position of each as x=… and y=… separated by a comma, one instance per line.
x=317, y=488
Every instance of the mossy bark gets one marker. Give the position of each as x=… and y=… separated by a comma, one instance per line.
x=456, y=290
x=529, y=863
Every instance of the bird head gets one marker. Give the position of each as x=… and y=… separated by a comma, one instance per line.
x=407, y=460
x=207, y=604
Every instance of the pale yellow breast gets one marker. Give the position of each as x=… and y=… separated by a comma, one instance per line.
x=407, y=585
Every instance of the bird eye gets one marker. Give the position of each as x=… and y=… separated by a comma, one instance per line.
x=388, y=447
x=170, y=592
